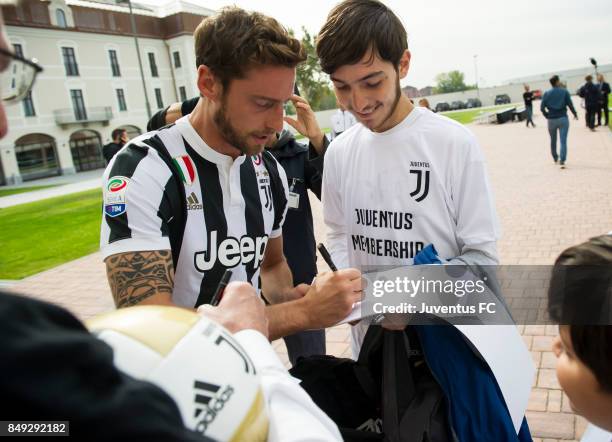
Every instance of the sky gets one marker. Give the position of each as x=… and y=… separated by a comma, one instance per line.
x=511, y=39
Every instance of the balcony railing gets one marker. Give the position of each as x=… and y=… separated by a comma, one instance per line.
x=101, y=114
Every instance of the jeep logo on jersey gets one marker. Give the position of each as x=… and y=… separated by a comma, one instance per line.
x=231, y=252
x=422, y=185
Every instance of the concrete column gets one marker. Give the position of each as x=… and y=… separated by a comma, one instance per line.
x=64, y=156
x=10, y=169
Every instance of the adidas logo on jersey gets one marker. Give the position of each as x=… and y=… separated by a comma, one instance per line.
x=193, y=203
x=209, y=402
x=232, y=252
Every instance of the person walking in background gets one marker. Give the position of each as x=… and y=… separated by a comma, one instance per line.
x=528, y=99
x=120, y=137
x=604, y=91
x=554, y=107
x=591, y=96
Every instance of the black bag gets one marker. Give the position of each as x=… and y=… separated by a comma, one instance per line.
x=389, y=394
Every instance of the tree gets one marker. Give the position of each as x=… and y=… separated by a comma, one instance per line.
x=312, y=82
x=452, y=81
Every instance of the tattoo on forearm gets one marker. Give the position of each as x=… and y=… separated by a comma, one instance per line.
x=136, y=276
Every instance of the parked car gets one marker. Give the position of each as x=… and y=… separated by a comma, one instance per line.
x=537, y=94
x=442, y=107
x=456, y=105
x=502, y=99
x=473, y=102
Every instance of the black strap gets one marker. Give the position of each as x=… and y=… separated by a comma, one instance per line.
x=398, y=389
x=370, y=351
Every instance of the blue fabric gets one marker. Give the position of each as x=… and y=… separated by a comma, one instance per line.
x=555, y=103
x=477, y=408
x=428, y=255
x=561, y=125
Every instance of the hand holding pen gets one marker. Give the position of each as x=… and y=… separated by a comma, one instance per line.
x=239, y=307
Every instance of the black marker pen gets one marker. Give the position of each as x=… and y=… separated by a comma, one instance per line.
x=220, y=288
x=327, y=257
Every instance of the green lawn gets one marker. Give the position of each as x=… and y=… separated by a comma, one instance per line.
x=43, y=234
x=469, y=115
x=16, y=190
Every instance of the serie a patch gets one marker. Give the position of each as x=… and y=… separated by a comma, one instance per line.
x=115, y=196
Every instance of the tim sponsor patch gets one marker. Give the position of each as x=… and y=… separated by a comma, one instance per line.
x=114, y=196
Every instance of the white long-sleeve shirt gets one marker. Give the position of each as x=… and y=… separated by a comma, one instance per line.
x=292, y=414
x=388, y=195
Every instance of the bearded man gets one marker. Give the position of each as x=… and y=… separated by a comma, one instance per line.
x=187, y=202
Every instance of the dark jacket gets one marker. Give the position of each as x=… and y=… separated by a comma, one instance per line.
x=110, y=150
x=54, y=369
x=304, y=169
x=604, y=90
x=555, y=103
x=591, y=95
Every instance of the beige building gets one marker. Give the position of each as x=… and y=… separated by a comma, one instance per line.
x=91, y=83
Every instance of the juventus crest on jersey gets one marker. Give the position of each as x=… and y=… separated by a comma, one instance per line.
x=232, y=208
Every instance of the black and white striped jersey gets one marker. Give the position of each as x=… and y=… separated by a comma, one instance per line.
x=233, y=208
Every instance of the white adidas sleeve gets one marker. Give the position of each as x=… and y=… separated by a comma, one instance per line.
x=293, y=416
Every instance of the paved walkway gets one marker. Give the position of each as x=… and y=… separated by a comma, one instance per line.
x=542, y=208
x=65, y=184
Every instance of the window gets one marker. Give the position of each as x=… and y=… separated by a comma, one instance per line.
x=121, y=100
x=158, y=97
x=78, y=104
x=153, y=65
x=183, y=93
x=177, y=59
x=112, y=54
x=60, y=17
x=18, y=49
x=36, y=157
x=28, y=105
x=72, y=69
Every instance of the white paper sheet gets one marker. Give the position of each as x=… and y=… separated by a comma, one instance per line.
x=596, y=434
